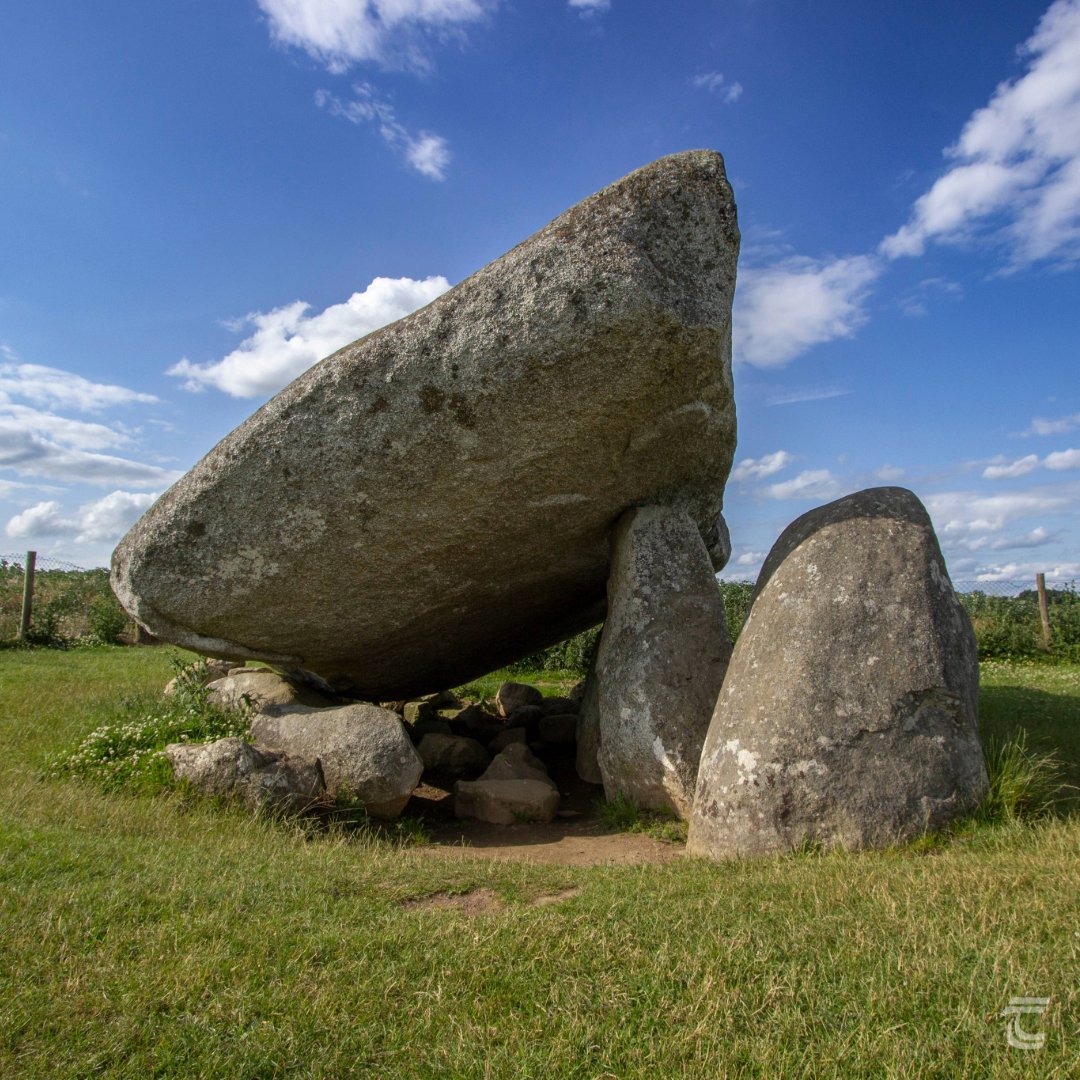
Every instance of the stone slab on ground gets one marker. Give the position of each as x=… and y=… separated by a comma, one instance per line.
x=504, y=802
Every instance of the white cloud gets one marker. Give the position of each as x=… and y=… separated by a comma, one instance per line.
x=1058, y=461
x=30, y=455
x=797, y=397
x=105, y=520
x=1058, y=572
x=50, y=386
x=1037, y=537
x=588, y=7
x=427, y=153
x=18, y=420
x=393, y=33
x=759, y=468
x=1061, y=426
x=959, y=514
x=1062, y=459
x=812, y=484
x=713, y=81
x=890, y=473
x=1007, y=470
x=750, y=558
x=42, y=519
x=1016, y=175
x=287, y=341
x=783, y=310
x=36, y=443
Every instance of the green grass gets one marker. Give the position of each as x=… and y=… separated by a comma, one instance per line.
x=153, y=937
x=551, y=682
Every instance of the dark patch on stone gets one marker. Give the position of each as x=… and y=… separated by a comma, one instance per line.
x=432, y=399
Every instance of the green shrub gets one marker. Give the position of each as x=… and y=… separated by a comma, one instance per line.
x=128, y=751
x=737, y=596
x=70, y=606
x=574, y=655
x=1010, y=627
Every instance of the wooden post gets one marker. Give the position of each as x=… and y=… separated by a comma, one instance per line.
x=27, y=595
x=1044, y=610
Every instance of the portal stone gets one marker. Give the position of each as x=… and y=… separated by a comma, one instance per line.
x=849, y=715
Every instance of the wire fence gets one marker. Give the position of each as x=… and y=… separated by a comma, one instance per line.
x=68, y=603
x=64, y=602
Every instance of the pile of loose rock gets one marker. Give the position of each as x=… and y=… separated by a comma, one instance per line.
x=305, y=751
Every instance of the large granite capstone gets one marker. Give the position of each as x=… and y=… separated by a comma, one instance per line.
x=436, y=499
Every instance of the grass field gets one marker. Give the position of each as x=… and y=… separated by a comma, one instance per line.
x=147, y=937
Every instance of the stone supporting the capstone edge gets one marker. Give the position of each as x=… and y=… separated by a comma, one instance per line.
x=661, y=661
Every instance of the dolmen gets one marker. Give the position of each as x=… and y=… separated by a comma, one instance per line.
x=543, y=448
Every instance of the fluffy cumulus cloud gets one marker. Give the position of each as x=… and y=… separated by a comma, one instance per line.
x=1015, y=170
x=1016, y=571
x=759, y=468
x=391, y=33
x=750, y=558
x=1004, y=470
x=102, y=521
x=427, y=153
x=286, y=341
x=1058, y=461
x=1062, y=459
x=783, y=310
x=963, y=514
x=714, y=82
x=811, y=484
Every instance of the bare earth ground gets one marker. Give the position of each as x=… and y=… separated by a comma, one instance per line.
x=577, y=837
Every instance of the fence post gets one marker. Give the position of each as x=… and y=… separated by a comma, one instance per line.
x=27, y=595
x=1044, y=611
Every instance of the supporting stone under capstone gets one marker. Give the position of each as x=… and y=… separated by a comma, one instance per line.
x=661, y=660
x=848, y=717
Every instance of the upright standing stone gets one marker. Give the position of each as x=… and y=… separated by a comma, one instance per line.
x=661, y=660
x=347, y=527
x=848, y=717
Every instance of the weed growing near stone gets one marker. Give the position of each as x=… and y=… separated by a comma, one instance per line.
x=1025, y=784
x=128, y=750
x=621, y=815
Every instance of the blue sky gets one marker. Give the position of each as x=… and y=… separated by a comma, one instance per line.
x=199, y=200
